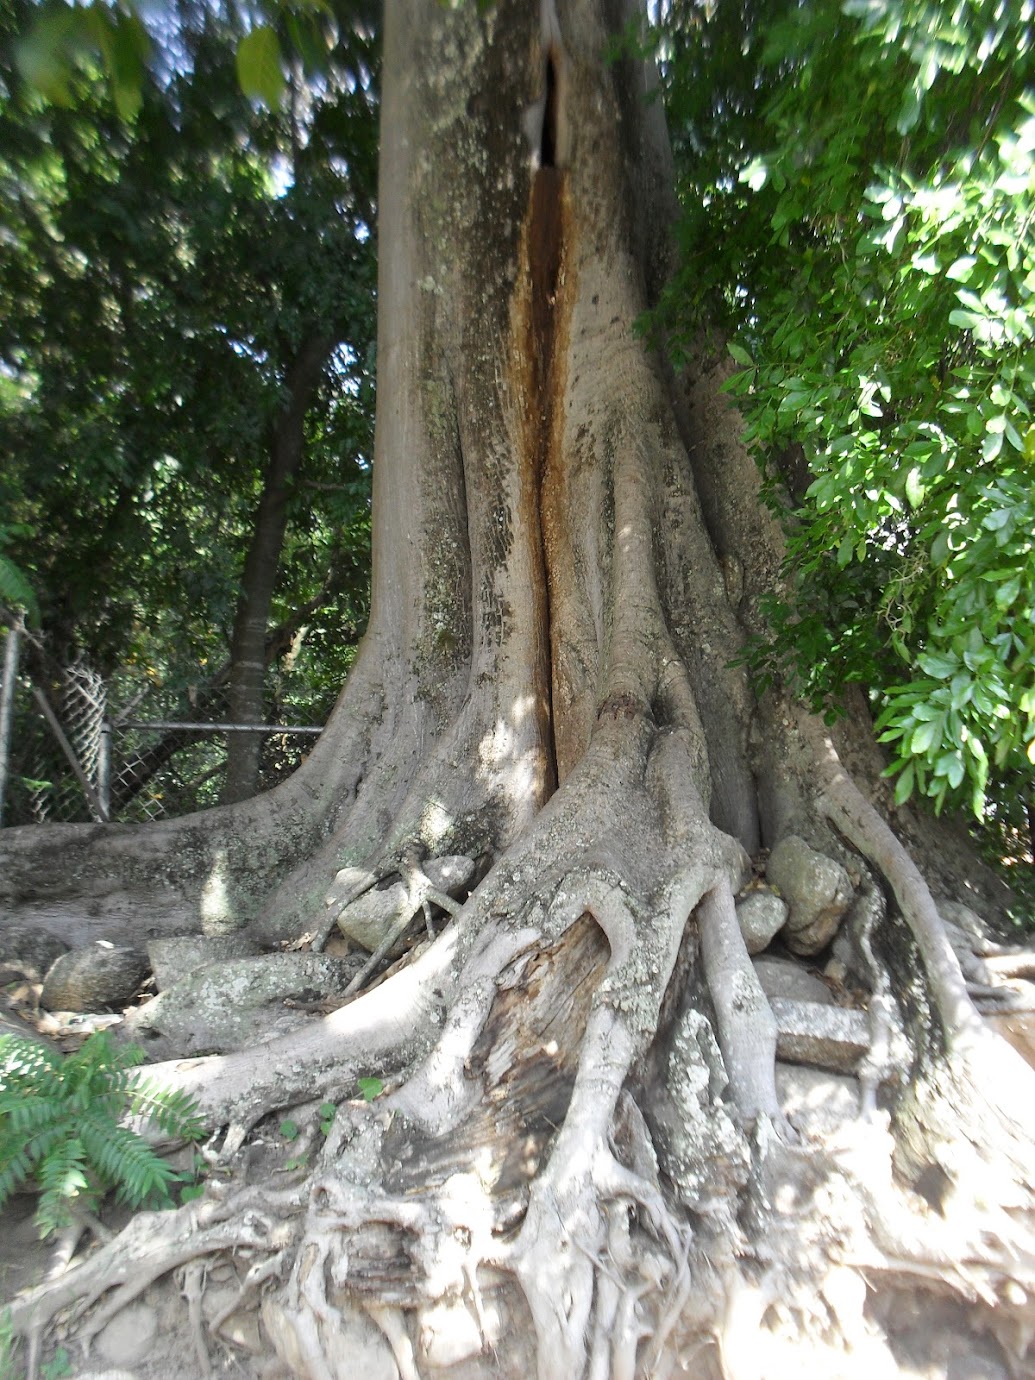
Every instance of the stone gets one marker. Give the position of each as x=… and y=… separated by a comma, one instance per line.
x=355, y=1346
x=128, y=1337
x=28, y=951
x=367, y=919
x=783, y=977
x=815, y=1101
x=827, y=1037
x=176, y=958
x=761, y=915
x=234, y=1003
x=450, y=1331
x=816, y=888
x=94, y=979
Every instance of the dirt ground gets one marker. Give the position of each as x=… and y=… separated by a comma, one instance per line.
x=150, y=1340
x=153, y=1338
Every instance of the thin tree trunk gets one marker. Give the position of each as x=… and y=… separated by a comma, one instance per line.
x=248, y=644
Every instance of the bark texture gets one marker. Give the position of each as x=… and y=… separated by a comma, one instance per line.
x=582, y=1161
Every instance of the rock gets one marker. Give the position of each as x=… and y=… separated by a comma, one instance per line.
x=173, y=959
x=816, y=888
x=128, y=1337
x=828, y=1037
x=761, y=915
x=782, y=977
x=94, y=979
x=450, y=873
x=450, y=1331
x=370, y=916
x=815, y=1101
x=353, y=1346
x=233, y=1003
x=28, y=951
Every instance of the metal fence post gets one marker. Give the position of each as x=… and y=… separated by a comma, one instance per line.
x=7, y=709
x=104, y=769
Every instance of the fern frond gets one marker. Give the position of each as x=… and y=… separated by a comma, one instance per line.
x=27, y=1064
x=62, y=1179
x=19, y=1157
x=127, y=1163
x=13, y=1173
x=173, y=1111
x=21, y=1114
x=59, y=1120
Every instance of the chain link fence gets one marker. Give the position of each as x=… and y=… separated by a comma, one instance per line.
x=76, y=748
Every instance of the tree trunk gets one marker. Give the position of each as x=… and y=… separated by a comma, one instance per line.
x=248, y=646
x=582, y=1162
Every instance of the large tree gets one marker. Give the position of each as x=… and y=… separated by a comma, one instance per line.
x=580, y=1162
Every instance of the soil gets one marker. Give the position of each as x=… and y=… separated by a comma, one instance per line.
x=153, y=1339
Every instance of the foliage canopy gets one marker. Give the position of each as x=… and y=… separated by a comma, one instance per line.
x=858, y=192
x=159, y=283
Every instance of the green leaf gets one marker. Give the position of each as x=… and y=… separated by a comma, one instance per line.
x=289, y=1129
x=924, y=736
x=939, y=665
x=259, y=67
x=904, y=784
x=915, y=488
x=16, y=590
x=739, y=353
x=126, y=57
x=961, y=269
x=370, y=1088
x=1008, y=592
x=991, y=446
x=44, y=55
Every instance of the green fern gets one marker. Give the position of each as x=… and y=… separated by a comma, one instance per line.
x=60, y=1124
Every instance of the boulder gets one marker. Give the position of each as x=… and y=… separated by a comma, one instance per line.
x=816, y=888
x=235, y=1003
x=783, y=977
x=368, y=919
x=827, y=1037
x=815, y=1101
x=761, y=915
x=130, y=1335
x=94, y=979
x=173, y=959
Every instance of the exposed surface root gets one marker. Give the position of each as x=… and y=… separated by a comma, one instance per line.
x=513, y=1171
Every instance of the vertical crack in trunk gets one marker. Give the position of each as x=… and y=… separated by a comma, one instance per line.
x=548, y=305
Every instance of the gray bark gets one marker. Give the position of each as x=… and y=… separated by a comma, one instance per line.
x=581, y=1146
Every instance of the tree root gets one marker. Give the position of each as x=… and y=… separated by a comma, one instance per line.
x=512, y=1156
x=746, y=1025
x=153, y=1245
